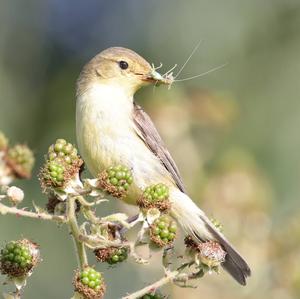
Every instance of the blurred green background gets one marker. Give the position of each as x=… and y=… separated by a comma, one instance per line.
x=234, y=133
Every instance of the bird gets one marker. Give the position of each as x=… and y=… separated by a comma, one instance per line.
x=112, y=129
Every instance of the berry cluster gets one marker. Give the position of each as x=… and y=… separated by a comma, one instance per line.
x=116, y=180
x=56, y=172
x=118, y=256
x=155, y=196
x=21, y=160
x=62, y=164
x=111, y=255
x=163, y=231
x=18, y=258
x=158, y=192
x=89, y=283
x=91, y=278
x=63, y=150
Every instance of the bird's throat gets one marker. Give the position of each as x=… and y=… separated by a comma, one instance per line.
x=103, y=118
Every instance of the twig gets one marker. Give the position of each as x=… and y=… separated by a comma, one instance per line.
x=165, y=280
x=23, y=213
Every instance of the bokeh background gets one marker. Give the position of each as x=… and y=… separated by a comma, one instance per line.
x=234, y=132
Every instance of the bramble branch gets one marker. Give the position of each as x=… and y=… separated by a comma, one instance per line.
x=23, y=213
x=153, y=287
x=70, y=197
x=74, y=229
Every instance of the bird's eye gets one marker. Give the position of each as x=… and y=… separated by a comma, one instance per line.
x=123, y=65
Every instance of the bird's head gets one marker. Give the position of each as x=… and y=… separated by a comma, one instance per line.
x=121, y=67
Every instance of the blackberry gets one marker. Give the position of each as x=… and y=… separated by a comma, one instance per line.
x=56, y=174
x=111, y=255
x=19, y=257
x=155, y=196
x=56, y=171
x=21, y=160
x=89, y=283
x=62, y=165
x=163, y=231
x=116, y=180
x=158, y=192
x=63, y=150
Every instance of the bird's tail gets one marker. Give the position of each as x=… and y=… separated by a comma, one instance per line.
x=195, y=223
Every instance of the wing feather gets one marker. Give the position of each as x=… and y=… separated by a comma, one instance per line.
x=146, y=130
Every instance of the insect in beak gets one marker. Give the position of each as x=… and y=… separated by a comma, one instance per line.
x=157, y=78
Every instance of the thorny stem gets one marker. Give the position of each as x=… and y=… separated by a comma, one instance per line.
x=165, y=280
x=170, y=277
x=18, y=212
x=82, y=240
x=75, y=232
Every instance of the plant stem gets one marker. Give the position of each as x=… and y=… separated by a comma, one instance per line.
x=23, y=213
x=148, y=289
x=74, y=229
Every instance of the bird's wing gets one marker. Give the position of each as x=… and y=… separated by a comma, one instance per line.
x=146, y=130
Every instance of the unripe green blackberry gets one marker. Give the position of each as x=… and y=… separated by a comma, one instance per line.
x=3, y=142
x=89, y=283
x=91, y=278
x=155, y=196
x=111, y=255
x=21, y=160
x=19, y=257
x=56, y=174
x=63, y=150
x=56, y=170
x=156, y=192
x=163, y=231
x=116, y=180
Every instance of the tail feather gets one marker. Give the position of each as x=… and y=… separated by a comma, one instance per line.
x=195, y=223
x=234, y=270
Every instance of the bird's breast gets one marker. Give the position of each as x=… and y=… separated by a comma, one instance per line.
x=102, y=126
x=106, y=137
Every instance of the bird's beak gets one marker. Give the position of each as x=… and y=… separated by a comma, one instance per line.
x=157, y=78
